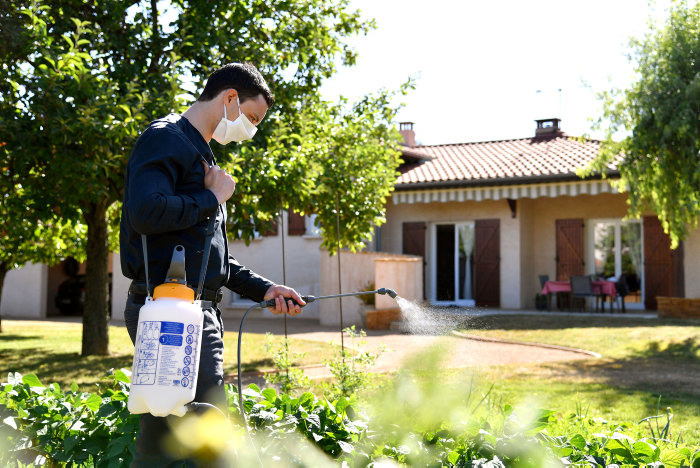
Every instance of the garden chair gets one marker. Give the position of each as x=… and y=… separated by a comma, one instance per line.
x=582, y=288
x=622, y=289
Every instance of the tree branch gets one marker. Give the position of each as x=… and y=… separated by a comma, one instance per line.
x=155, y=38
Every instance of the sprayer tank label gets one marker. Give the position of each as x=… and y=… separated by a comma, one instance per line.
x=160, y=357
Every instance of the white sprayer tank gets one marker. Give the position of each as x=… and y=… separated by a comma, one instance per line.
x=166, y=352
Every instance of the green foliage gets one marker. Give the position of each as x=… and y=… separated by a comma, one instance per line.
x=350, y=365
x=72, y=428
x=43, y=425
x=334, y=426
x=658, y=160
x=79, y=81
x=288, y=378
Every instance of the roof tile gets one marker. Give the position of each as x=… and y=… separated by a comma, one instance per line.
x=480, y=162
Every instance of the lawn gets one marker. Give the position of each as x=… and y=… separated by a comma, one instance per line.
x=51, y=350
x=642, y=360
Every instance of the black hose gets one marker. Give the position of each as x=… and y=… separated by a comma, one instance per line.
x=240, y=390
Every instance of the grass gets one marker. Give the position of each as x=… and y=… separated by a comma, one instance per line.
x=612, y=336
x=51, y=350
x=642, y=360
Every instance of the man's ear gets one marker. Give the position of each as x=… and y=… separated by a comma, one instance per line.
x=231, y=95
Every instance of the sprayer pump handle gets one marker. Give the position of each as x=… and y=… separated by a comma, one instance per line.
x=271, y=302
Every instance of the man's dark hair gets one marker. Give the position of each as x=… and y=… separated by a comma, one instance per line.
x=243, y=77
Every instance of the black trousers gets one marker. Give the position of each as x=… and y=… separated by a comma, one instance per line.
x=210, y=387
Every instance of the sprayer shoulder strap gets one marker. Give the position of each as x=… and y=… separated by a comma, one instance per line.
x=211, y=229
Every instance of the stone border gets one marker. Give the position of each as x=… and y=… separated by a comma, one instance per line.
x=525, y=343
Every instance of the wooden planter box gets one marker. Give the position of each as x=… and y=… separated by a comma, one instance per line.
x=381, y=319
x=678, y=307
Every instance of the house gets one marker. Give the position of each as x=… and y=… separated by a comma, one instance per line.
x=490, y=217
x=487, y=218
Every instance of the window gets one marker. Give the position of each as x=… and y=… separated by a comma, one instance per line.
x=615, y=249
x=311, y=229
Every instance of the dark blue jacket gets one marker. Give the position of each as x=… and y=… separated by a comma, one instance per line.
x=165, y=198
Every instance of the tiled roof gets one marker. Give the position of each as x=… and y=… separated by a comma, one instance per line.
x=525, y=160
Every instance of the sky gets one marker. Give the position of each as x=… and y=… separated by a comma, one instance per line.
x=485, y=70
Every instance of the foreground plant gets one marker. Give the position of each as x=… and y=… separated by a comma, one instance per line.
x=288, y=378
x=44, y=425
x=350, y=365
x=414, y=421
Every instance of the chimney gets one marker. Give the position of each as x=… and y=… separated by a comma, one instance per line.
x=409, y=136
x=547, y=127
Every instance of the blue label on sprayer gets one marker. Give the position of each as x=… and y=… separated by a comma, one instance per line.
x=171, y=340
x=176, y=328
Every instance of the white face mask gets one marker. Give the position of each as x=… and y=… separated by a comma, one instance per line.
x=237, y=130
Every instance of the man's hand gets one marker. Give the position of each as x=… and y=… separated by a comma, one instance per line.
x=219, y=182
x=280, y=293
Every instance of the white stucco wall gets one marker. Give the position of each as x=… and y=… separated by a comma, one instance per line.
x=24, y=293
x=264, y=256
x=691, y=264
x=120, y=288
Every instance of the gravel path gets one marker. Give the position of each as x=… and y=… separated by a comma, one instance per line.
x=461, y=352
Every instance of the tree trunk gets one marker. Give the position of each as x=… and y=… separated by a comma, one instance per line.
x=3, y=271
x=96, y=311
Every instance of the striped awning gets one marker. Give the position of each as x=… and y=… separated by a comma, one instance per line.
x=514, y=192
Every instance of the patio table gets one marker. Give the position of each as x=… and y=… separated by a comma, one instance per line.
x=606, y=288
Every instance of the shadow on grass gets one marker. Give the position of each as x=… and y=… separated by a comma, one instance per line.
x=256, y=365
x=556, y=322
x=8, y=337
x=689, y=349
x=62, y=368
x=668, y=369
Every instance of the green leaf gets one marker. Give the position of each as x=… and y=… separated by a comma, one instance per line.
x=32, y=380
x=644, y=448
x=345, y=447
x=269, y=394
x=74, y=387
x=10, y=421
x=578, y=441
x=453, y=457
x=121, y=376
x=93, y=402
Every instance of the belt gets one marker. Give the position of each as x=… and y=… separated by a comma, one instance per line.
x=138, y=288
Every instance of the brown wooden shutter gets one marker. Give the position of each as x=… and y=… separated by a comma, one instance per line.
x=414, y=242
x=487, y=262
x=414, y=238
x=569, y=239
x=296, y=224
x=663, y=267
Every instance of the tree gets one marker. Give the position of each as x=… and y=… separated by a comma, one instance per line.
x=80, y=80
x=659, y=159
x=23, y=236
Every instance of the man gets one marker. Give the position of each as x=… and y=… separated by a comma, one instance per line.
x=173, y=187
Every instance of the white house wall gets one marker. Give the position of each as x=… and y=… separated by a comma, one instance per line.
x=120, y=288
x=691, y=253
x=264, y=256
x=25, y=292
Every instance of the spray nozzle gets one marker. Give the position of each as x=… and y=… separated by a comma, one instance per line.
x=392, y=294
